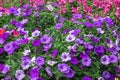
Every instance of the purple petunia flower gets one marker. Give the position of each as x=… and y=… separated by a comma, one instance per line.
x=105, y=60
x=65, y=31
x=58, y=26
x=97, y=23
x=70, y=38
x=40, y=61
x=25, y=58
x=99, y=50
x=113, y=58
x=19, y=25
x=88, y=24
x=12, y=10
x=46, y=47
x=25, y=65
x=86, y=61
x=64, y=68
x=95, y=40
x=86, y=78
x=19, y=74
x=8, y=78
x=74, y=61
x=74, y=32
x=34, y=73
x=79, y=41
x=54, y=53
x=77, y=16
x=65, y=57
x=109, y=21
x=46, y=39
x=100, y=30
x=1, y=50
x=61, y=19
x=24, y=41
x=40, y=79
x=13, y=22
x=117, y=69
x=1, y=67
x=2, y=41
x=36, y=33
x=9, y=48
x=106, y=74
x=5, y=36
x=6, y=69
x=24, y=21
x=83, y=55
x=70, y=74
x=88, y=45
x=48, y=70
x=118, y=36
x=36, y=43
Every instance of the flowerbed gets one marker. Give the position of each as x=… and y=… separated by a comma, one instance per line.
x=37, y=43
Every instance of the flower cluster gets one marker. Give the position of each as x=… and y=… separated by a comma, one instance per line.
x=36, y=43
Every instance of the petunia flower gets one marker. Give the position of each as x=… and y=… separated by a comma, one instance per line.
x=65, y=57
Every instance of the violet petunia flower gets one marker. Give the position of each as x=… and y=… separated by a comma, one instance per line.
x=65, y=57
x=86, y=61
x=19, y=75
x=79, y=41
x=77, y=16
x=1, y=67
x=70, y=38
x=54, y=53
x=46, y=47
x=1, y=51
x=2, y=41
x=58, y=26
x=98, y=23
x=25, y=59
x=40, y=61
x=88, y=24
x=74, y=61
x=45, y=39
x=19, y=25
x=13, y=22
x=74, y=32
x=5, y=36
x=36, y=33
x=70, y=74
x=83, y=55
x=109, y=21
x=12, y=10
x=99, y=50
x=48, y=70
x=106, y=74
x=25, y=65
x=117, y=69
x=5, y=69
x=86, y=78
x=9, y=48
x=36, y=43
x=105, y=60
x=64, y=68
x=113, y=58
x=34, y=73
x=88, y=45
